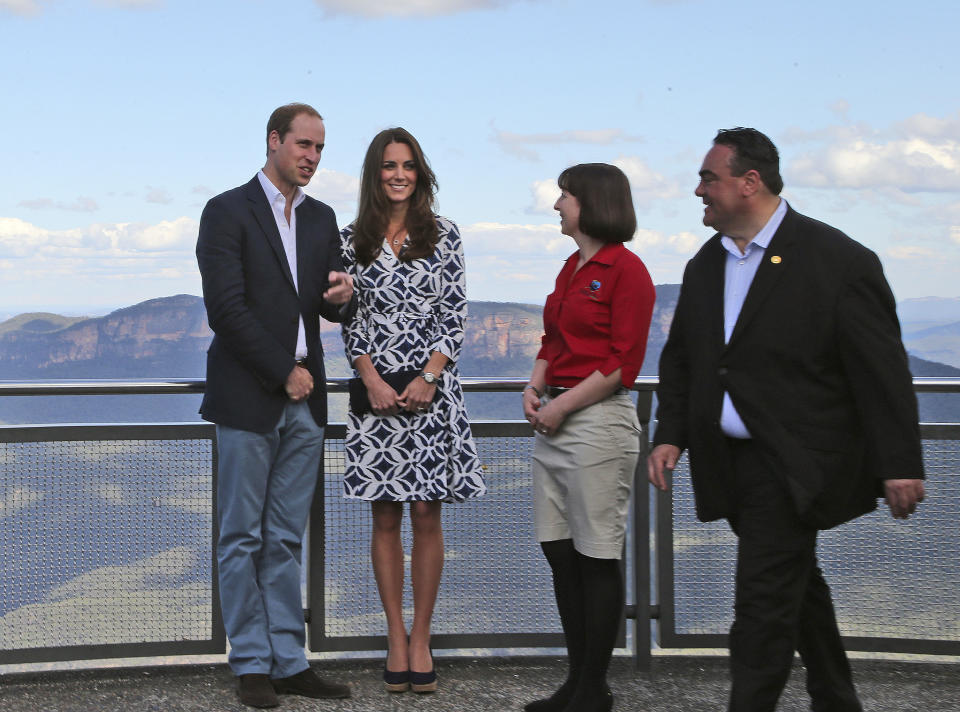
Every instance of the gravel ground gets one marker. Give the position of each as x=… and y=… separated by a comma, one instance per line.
x=674, y=684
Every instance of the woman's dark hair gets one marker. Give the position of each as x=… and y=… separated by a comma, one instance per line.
x=373, y=212
x=752, y=151
x=606, y=204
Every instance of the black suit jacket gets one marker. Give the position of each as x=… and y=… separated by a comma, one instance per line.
x=815, y=367
x=252, y=305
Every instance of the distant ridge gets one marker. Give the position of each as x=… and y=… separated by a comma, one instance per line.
x=168, y=337
x=38, y=322
x=936, y=343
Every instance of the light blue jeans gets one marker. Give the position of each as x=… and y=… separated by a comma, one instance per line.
x=265, y=485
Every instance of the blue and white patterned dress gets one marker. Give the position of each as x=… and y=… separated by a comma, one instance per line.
x=407, y=310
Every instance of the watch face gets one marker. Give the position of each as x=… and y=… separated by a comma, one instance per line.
x=428, y=377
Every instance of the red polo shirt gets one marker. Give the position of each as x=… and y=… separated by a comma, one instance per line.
x=597, y=318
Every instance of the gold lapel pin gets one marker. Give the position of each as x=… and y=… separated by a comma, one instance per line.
x=775, y=259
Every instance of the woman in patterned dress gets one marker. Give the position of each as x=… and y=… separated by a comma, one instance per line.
x=415, y=446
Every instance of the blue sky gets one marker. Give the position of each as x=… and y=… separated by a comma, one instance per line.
x=122, y=117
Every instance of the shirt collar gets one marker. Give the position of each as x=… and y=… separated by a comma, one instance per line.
x=273, y=193
x=762, y=238
x=606, y=255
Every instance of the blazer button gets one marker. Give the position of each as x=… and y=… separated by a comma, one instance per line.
x=722, y=371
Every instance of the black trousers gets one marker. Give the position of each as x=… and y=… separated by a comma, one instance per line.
x=782, y=603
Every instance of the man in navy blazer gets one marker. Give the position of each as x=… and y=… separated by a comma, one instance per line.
x=785, y=378
x=270, y=261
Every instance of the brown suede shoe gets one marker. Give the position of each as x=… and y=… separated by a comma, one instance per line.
x=255, y=690
x=307, y=684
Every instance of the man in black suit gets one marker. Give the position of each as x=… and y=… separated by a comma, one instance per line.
x=270, y=261
x=785, y=379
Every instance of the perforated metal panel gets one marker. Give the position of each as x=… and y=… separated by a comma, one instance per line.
x=495, y=579
x=895, y=583
x=106, y=541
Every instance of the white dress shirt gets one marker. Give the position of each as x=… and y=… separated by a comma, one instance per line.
x=288, y=236
x=738, y=275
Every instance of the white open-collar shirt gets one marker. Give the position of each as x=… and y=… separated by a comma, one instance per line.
x=288, y=236
x=739, y=271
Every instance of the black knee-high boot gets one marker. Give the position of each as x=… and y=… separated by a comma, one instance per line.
x=603, y=600
x=567, y=588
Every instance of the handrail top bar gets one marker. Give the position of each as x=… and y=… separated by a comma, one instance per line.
x=155, y=386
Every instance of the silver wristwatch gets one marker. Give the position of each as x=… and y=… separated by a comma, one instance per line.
x=429, y=377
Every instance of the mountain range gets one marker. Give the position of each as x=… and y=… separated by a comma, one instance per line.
x=168, y=337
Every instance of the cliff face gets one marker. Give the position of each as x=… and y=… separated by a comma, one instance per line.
x=168, y=337
x=134, y=341
x=501, y=339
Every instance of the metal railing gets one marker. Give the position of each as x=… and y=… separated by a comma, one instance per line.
x=108, y=536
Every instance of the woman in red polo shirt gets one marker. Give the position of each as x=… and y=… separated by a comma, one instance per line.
x=587, y=433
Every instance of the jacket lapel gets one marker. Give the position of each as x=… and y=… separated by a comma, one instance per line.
x=776, y=259
x=263, y=214
x=306, y=264
x=713, y=283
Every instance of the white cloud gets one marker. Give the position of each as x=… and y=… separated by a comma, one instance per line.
x=684, y=243
x=545, y=194
x=339, y=190
x=509, y=241
x=108, y=265
x=497, y=239
x=647, y=185
x=841, y=107
x=407, y=8
x=158, y=195
x=919, y=154
x=166, y=235
x=519, y=263
x=32, y=7
x=519, y=144
x=82, y=204
x=930, y=126
x=911, y=253
x=955, y=233
x=102, y=241
x=130, y=4
x=20, y=7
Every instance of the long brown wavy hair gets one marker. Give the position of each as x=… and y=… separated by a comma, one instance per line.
x=373, y=212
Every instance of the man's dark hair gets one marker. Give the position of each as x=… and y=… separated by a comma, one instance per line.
x=606, y=204
x=752, y=150
x=283, y=116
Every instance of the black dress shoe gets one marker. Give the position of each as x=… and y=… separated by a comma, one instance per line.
x=556, y=702
x=307, y=684
x=585, y=703
x=254, y=689
x=559, y=700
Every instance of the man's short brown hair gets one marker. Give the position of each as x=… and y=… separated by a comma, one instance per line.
x=283, y=116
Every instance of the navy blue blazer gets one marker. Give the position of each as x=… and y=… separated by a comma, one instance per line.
x=253, y=305
x=815, y=366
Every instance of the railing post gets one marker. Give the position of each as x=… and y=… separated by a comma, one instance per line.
x=316, y=611
x=641, y=539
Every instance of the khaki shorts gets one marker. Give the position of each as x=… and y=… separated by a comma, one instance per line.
x=583, y=476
